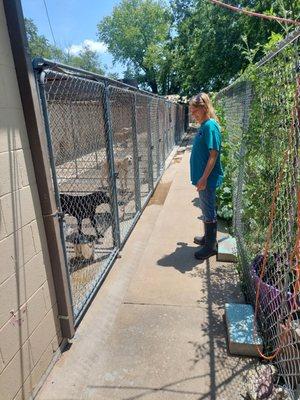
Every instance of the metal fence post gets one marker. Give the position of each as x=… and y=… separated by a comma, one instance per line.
x=163, y=132
x=112, y=174
x=158, y=155
x=41, y=84
x=150, y=148
x=136, y=157
x=169, y=127
x=177, y=125
x=186, y=117
x=75, y=141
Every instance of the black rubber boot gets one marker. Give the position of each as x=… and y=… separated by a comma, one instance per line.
x=210, y=247
x=200, y=240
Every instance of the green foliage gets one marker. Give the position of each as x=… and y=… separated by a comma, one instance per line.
x=248, y=52
x=86, y=59
x=224, y=194
x=137, y=34
x=130, y=72
x=269, y=136
x=212, y=58
x=214, y=45
x=180, y=46
x=39, y=46
x=267, y=141
x=113, y=75
x=273, y=41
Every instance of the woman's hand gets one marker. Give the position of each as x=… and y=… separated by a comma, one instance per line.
x=201, y=184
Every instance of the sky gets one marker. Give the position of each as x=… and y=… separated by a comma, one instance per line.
x=74, y=22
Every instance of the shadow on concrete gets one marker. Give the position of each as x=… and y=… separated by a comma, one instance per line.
x=159, y=389
x=181, y=259
x=228, y=374
x=195, y=202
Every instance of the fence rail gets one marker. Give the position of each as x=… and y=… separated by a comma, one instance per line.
x=108, y=143
x=262, y=113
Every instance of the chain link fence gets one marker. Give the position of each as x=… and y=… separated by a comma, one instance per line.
x=261, y=114
x=108, y=143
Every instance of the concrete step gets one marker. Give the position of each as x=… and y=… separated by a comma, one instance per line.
x=242, y=340
x=227, y=249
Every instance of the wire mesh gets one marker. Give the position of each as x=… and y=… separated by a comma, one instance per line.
x=121, y=105
x=106, y=144
x=144, y=146
x=172, y=118
x=262, y=117
x=165, y=125
x=161, y=139
x=75, y=114
x=154, y=126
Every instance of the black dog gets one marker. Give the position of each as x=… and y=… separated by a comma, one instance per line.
x=82, y=207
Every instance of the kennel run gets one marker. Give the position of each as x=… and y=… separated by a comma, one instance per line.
x=107, y=144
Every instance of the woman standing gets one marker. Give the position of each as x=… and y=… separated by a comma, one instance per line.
x=206, y=170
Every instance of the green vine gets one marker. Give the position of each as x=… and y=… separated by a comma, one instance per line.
x=266, y=142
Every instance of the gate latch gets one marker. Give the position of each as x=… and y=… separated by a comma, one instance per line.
x=56, y=214
x=63, y=317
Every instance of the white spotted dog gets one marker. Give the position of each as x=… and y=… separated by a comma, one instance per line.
x=122, y=168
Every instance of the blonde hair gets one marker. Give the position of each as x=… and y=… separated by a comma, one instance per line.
x=203, y=100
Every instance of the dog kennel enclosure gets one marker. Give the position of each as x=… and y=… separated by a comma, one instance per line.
x=107, y=145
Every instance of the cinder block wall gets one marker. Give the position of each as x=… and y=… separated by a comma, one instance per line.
x=29, y=328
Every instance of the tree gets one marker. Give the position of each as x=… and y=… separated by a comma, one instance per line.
x=136, y=34
x=39, y=46
x=182, y=9
x=86, y=59
x=215, y=37
x=113, y=75
x=212, y=36
x=130, y=72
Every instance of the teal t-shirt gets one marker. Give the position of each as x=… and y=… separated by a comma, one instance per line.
x=207, y=138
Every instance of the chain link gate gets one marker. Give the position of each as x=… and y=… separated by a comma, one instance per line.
x=107, y=145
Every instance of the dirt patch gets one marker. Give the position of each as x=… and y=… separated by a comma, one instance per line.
x=160, y=194
x=176, y=160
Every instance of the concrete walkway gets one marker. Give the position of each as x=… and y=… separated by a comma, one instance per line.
x=155, y=329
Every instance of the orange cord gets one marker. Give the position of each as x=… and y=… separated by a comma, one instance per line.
x=266, y=253
x=296, y=254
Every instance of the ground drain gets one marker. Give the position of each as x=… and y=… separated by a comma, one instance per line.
x=160, y=194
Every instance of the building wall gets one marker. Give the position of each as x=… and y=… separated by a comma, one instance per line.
x=29, y=328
